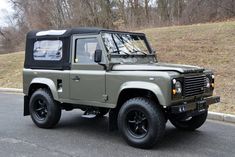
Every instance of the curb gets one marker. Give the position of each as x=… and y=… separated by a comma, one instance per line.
x=221, y=117
x=211, y=115
x=11, y=90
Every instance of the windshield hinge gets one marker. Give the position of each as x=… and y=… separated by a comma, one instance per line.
x=105, y=97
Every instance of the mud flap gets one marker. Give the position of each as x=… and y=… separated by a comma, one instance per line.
x=113, y=115
x=26, y=106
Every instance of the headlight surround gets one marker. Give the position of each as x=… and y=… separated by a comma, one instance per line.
x=213, y=81
x=208, y=82
x=178, y=87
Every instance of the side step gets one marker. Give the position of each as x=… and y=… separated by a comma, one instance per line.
x=89, y=114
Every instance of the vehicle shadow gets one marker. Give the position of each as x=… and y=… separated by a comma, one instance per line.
x=173, y=139
x=75, y=122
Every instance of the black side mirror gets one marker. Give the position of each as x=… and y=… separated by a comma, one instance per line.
x=98, y=56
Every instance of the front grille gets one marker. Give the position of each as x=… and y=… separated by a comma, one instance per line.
x=194, y=85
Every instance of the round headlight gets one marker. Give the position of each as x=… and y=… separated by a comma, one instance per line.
x=178, y=87
x=208, y=82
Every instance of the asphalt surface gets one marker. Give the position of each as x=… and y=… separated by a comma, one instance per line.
x=77, y=136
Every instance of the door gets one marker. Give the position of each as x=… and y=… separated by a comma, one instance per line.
x=87, y=78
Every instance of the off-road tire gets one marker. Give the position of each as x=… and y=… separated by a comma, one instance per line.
x=154, y=117
x=191, y=124
x=53, y=111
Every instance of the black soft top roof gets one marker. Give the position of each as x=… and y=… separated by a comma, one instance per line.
x=65, y=37
x=71, y=31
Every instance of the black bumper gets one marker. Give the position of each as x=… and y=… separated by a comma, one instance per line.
x=196, y=106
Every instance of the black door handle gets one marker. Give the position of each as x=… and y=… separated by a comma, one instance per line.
x=76, y=78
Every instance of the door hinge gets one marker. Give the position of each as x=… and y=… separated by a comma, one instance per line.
x=105, y=97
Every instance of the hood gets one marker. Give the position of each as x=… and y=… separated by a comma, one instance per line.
x=184, y=69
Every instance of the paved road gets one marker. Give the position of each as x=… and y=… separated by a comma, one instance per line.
x=77, y=136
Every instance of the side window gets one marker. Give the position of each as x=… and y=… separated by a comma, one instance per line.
x=85, y=50
x=48, y=50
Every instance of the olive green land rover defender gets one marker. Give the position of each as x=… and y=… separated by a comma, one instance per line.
x=103, y=71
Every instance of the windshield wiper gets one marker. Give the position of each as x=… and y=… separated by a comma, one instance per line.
x=118, y=51
x=135, y=51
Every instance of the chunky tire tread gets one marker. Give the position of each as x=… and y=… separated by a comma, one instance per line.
x=54, y=110
x=190, y=125
x=155, y=117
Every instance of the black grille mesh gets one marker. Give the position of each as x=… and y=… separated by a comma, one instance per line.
x=194, y=85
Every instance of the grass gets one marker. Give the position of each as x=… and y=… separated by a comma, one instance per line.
x=11, y=70
x=209, y=45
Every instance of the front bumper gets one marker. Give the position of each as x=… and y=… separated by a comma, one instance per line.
x=195, y=106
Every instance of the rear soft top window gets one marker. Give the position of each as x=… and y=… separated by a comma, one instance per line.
x=48, y=50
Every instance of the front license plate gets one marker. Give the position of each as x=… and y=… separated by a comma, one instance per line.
x=201, y=106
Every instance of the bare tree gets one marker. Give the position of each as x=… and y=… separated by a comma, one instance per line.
x=117, y=14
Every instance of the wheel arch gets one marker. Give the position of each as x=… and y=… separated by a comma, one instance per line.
x=45, y=83
x=137, y=88
x=36, y=84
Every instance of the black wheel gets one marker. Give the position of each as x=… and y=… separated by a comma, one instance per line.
x=102, y=111
x=141, y=122
x=44, y=111
x=191, y=123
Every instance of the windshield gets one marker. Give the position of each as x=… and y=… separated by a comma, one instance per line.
x=125, y=44
x=127, y=48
